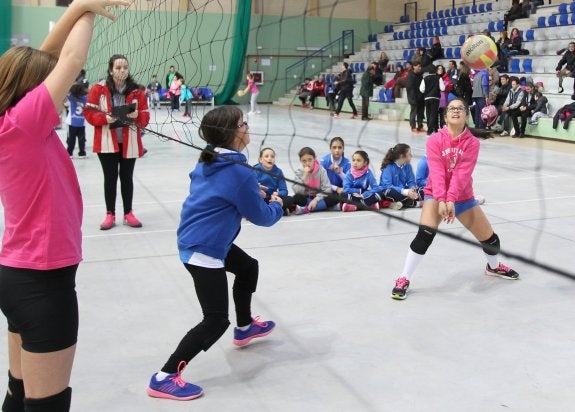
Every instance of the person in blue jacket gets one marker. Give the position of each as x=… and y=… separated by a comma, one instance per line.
x=397, y=181
x=222, y=192
x=359, y=182
x=336, y=164
x=422, y=172
x=271, y=178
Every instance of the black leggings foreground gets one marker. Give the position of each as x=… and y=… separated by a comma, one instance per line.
x=212, y=291
x=114, y=165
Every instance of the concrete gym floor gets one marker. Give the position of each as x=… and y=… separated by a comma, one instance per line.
x=462, y=341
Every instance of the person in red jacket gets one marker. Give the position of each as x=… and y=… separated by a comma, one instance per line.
x=317, y=89
x=113, y=104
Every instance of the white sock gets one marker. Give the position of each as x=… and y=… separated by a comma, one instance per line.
x=244, y=328
x=412, y=260
x=492, y=260
x=160, y=376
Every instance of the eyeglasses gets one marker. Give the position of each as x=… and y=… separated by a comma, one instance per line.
x=242, y=124
x=454, y=109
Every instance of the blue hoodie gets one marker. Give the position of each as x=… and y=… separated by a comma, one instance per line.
x=335, y=179
x=365, y=185
x=221, y=193
x=397, y=177
x=273, y=184
x=422, y=172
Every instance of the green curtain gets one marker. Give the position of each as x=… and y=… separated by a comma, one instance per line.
x=235, y=74
x=5, y=25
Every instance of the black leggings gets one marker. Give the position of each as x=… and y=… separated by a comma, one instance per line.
x=302, y=200
x=212, y=291
x=346, y=94
x=113, y=164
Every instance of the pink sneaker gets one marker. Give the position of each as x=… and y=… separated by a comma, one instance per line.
x=375, y=206
x=130, y=220
x=348, y=207
x=174, y=387
x=109, y=222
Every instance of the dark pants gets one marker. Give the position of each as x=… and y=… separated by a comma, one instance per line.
x=175, y=101
x=394, y=196
x=441, y=117
x=566, y=122
x=187, y=103
x=114, y=165
x=79, y=133
x=364, y=107
x=330, y=99
x=346, y=94
x=302, y=200
x=212, y=291
x=416, y=115
x=479, y=105
x=515, y=114
x=432, y=115
x=312, y=95
x=399, y=84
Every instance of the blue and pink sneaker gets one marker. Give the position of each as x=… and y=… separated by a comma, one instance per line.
x=257, y=329
x=173, y=387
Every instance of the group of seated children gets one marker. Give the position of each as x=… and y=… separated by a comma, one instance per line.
x=336, y=183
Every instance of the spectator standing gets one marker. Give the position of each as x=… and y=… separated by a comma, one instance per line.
x=415, y=98
x=480, y=95
x=345, y=84
x=154, y=89
x=568, y=60
x=431, y=87
x=366, y=90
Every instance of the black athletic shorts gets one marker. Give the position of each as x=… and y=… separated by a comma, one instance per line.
x=41, y=306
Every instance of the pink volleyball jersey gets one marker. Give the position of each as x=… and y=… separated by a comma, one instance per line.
x=38, y=187
x=451, y=163
x=252, y=86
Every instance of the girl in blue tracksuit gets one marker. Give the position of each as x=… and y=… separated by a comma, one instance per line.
x=271, y=178
x=359, y=182
x=336, y=164
x=222, y=192
x=422, y=172
x=397, y=181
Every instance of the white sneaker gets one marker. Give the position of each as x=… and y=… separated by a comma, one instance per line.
x=504, y=133
x=480, y=199
x=396, y=205
x=258, y=111
x=251, y=113
x=513, y=133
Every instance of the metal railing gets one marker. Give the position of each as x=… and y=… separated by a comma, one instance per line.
x=320, y=60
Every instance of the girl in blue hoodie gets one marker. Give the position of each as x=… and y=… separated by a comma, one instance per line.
x=359, y=182
x=397, y=181
x=271, y=178
x=222, y=191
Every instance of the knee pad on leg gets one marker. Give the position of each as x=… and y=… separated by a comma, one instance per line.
x=14, y=401
x=248, y=280
x=491, y=246
x=423, y=239
x=216, y=328
x=55, y=403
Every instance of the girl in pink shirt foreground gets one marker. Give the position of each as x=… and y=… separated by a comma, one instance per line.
x=42, y=241
x=452, y=155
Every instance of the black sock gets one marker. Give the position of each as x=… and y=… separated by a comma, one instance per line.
x=55, y=403
x=14, y=402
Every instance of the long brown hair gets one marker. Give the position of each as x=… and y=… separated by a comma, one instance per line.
x=394, y=153
x=21, y=70
x=218, y=129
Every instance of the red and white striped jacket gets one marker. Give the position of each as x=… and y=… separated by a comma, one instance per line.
x=105, y=139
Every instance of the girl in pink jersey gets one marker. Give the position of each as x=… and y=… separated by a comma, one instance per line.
x=452, y=155
x=253, y=89
x=42, y=242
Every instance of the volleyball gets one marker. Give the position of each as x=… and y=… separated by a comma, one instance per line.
x=479, y=52
x=241, y=93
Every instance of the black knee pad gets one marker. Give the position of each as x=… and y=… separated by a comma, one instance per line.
x=491, y=246
x=248, y=279
x=423, y=239
x=55, y=403
x=216, y=327
x=14, y=402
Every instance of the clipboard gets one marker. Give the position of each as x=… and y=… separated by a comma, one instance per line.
x=120, y=113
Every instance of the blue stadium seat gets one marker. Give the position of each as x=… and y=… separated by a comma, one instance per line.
x=437, y=32
x=552, y=21
x=573, y=17
x=412, y=26
x=527, y=65
x=530, y=35
x=443, y=23
x=395, y=36
x=436, y=23
x=462, y=39
x=428, y=15
x=474, y=9
x=448, y=13
x=481, y=8
x=444, y=31
x=500, y=24
x=541, y=21
x=456, y=21
x=441, y=14
x=491, y=26
x=377, y=46
x=449, y=53
x=460, y=11
x=463, y=20
x=514, y=66
x=399, y=35
x=418, y=42
x=418, y=33
x=563, y=7
x=564, y=20
x=489, y=7
x=411, y=43
x=572, y=7
x=467, y=10
x=434, y=14
x=362, y=67
x=457, y=53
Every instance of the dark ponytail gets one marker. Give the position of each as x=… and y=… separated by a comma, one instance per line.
x=394, y=153
x=218, y=129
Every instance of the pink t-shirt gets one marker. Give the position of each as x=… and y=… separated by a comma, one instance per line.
x=252, y=86
x=451, y=163
x=38, y=187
